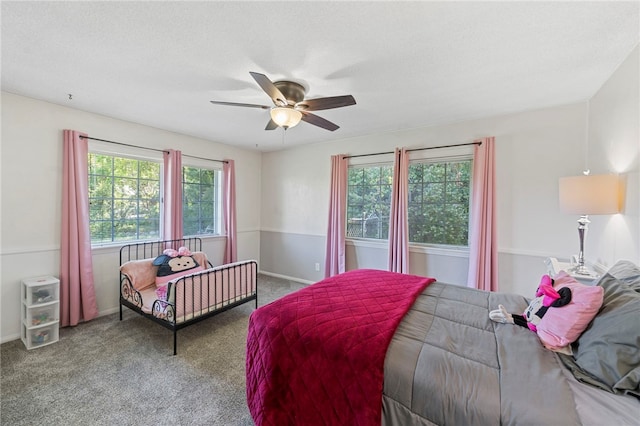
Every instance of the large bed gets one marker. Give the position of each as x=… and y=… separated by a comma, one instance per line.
x=444, y=362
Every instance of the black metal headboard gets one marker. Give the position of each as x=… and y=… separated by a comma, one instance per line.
x=152, y=249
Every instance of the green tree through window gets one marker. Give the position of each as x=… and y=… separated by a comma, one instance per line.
x=124, y=199
x=369, y=201
x=200, y=201
x=438, y=202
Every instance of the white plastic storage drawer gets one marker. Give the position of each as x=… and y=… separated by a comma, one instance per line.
x=40, y=311
x=42, y=314
x=40, y=336
x=40, y=290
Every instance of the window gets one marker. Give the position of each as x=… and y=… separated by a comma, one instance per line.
x=124, y=199
x=200, y=201
x=438, y=201
x=125, y=196
x=369, y=201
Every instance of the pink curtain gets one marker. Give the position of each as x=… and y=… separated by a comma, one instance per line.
x=334, y=262
x=77, y=293
x=229, y=209
x=483, y=242
x=398, y=219
x=172, y=222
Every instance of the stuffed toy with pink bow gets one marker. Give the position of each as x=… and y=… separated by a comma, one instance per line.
x=546, y=297
x=173, y=261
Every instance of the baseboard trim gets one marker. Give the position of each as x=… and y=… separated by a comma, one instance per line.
x=109, y=311
x=13, y=337
x=10, y=338
x=286, y=277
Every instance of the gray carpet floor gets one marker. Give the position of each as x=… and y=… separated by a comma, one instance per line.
x=111, y=372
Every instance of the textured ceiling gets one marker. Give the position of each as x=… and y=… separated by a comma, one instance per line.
x=408, y=64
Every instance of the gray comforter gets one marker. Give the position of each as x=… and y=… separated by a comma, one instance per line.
x=449, y=364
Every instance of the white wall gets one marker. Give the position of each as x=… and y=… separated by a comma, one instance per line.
x=614, y=147
x=31, y=179
x=531, y=148
x=534, y=149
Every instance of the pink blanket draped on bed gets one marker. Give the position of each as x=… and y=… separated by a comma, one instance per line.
x=316, y=356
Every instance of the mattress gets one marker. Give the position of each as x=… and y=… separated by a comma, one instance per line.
x=448, y=363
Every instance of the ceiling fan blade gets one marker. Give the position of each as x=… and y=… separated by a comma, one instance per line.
x=325, y=103
x=270, y=89
x=271, y=125
x=318, y=121
x=240, y=105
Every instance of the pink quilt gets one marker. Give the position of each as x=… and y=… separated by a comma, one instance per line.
x=316, y=356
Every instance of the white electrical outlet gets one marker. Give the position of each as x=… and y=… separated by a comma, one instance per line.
x=317, y=267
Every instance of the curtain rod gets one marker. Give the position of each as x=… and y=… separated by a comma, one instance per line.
x=150, y=149
x=415, y=149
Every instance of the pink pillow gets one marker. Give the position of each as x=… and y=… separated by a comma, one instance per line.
x=141, y=273
x=563, y=325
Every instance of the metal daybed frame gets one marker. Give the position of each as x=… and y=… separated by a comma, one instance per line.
x=229, y=279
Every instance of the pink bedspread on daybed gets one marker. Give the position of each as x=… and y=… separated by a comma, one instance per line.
x=316, y=356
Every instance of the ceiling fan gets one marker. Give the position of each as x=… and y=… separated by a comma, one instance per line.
x=290, y=106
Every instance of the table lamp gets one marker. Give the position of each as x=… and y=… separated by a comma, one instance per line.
x=589, y=195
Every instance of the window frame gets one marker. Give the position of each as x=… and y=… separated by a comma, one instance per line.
x=361, y=167
x=139, y=154
x=441, y=160
x=218, y=213
x=154, y=155
x=440, y=155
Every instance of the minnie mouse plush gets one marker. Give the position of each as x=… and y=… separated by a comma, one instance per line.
x=546, y=297
x=173, y=263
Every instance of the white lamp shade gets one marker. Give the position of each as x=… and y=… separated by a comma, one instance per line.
x=285, y=117
x=590, y=195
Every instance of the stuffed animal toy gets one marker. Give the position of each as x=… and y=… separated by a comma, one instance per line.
x=173, y=261
x=546, y=297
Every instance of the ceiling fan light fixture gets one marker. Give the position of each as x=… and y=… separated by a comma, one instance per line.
x=290, y=106
x=285, y=116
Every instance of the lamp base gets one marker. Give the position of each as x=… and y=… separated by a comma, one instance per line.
x=582, y=270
